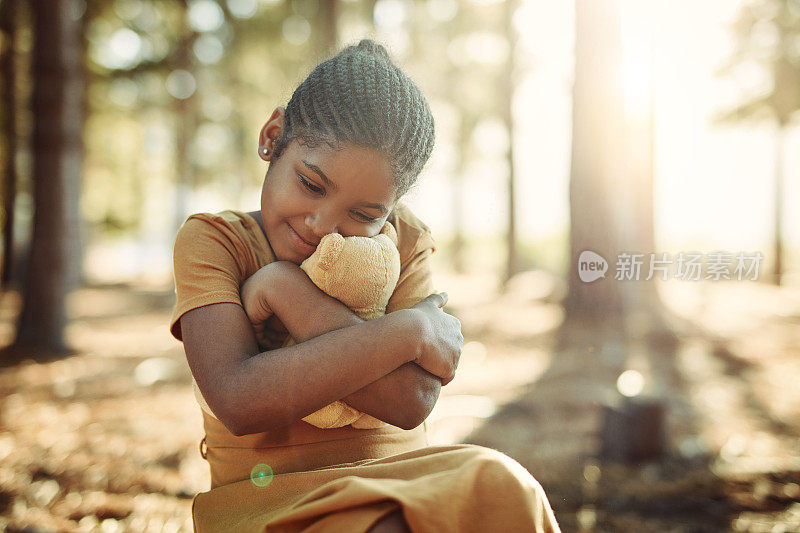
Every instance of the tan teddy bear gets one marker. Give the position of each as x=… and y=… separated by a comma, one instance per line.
x=362, y=273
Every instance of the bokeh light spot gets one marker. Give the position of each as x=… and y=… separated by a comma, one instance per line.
x=442, y=10
x=296, y=30
x=630, y=383
x=208, y=49
x=243, y=9
x=205, y=15
x=181, y=84
x=390, y=14
x=261, y=475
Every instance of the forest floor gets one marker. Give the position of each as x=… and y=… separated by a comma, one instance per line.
x=107, y=439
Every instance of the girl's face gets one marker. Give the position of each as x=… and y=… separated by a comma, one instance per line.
x=310, y=192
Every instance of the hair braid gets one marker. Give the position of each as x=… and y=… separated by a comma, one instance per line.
x=361, y=96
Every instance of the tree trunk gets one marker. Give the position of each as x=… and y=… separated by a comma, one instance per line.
x=466, y=125
x=598, y=156
x=8, y=21
x=512, y=260
x=645, y=315
x=54, y=264
x=185, y=113
x=777, y=267
x=330, y=27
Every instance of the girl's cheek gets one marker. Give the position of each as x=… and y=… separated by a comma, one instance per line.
x=374, y=228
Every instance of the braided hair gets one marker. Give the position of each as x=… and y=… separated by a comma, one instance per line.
x=360, y=96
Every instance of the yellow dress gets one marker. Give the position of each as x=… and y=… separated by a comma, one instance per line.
x=303, y=478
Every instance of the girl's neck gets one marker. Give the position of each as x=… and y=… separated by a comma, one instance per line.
x=257, y=216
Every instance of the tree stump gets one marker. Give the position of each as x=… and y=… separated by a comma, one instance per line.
x=634, y=430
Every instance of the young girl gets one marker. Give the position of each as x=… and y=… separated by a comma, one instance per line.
x=352, y=140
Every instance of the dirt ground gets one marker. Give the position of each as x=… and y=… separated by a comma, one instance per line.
x=107, y=439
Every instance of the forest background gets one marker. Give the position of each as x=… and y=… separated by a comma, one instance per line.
x=620, y=127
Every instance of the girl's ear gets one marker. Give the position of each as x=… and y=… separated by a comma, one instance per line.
x=270, y=132
x=390, y=232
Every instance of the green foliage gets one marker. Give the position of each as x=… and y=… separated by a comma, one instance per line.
x=767, y=34
x=240, y=66
x=243, y=59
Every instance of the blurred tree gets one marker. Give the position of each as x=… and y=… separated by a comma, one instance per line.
x=467, y=120
x=507, y=83
x=466, y=126
x=329, y=22
x=474, y=64
x=54, y=264
x=182, y=85
x=768, y=38
x=598, y=148
x=224, y=66
x=447, y=32
x=8, y=22
x=633, y=195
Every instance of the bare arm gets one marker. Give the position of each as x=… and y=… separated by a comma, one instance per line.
x=251, y=392
x=310, y=313
x=409, y=386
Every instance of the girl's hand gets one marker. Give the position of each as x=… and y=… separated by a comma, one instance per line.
x=441, y=338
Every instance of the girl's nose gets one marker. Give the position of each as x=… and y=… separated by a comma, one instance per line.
x=321, y=223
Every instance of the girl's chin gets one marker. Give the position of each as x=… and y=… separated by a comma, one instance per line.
x=290, y=258
x=293, y=256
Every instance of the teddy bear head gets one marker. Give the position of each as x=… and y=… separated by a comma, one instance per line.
x=361, y=272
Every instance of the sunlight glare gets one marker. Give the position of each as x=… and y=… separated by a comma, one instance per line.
x=637, y=40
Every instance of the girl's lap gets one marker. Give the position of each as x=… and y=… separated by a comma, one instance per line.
x=437, y=488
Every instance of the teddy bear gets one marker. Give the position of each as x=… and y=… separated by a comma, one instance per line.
x=362, y=273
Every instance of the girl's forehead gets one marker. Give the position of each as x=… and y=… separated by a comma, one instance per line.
x=348, y=166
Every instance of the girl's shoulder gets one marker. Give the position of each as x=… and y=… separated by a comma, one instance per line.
x=403, y=216
x=413, y=235
x=227, y=221
x=224, y=219
x=238, y=230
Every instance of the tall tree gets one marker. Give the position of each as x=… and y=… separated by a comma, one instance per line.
x=507, y=90
x=598, y=150
x=645, y=313
x=767, y=33
x=186, y=117
x=329, y=22
x=54, y=263
x=8, y=22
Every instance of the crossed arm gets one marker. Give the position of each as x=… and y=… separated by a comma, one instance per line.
x=368, y=364
x=404, y=397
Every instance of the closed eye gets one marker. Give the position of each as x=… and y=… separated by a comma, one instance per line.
x=310, y=186
x=365, y=218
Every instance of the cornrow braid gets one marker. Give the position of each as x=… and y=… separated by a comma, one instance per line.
x=360, y=96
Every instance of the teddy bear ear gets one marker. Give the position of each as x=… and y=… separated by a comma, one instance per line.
x=390, y=232
x=329, y=249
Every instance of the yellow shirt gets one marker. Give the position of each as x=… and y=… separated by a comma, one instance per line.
x=214, y=255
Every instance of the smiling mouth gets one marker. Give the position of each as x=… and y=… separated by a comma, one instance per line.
x=301, y=241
